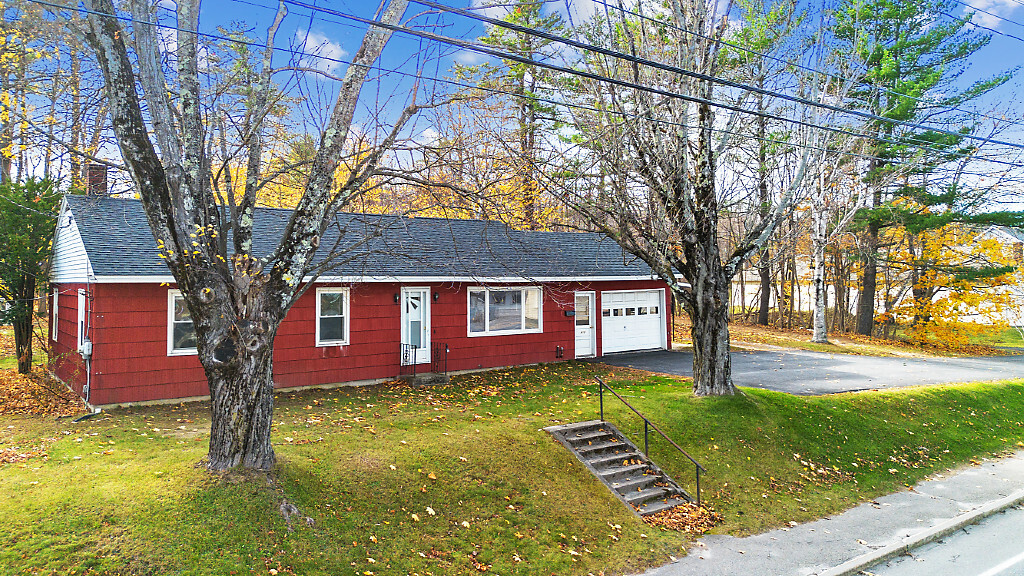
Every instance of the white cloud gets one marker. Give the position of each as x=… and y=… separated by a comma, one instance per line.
x=428, y=136
x=319, y=51
x=468, y=57
x=488, y=8
x=990, y=13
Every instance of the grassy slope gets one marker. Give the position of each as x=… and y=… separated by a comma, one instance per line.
x=122, y=494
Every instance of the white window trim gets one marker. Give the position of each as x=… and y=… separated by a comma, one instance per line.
x=345, y=309
x=55, y=314
x=80, y=329
x=487, y=312
x=171, y=351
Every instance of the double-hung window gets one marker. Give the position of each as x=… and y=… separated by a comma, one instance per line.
x=332, y=316
x=181, y=332
x=494, y=311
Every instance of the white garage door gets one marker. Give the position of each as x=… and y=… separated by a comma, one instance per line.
x=632, y=320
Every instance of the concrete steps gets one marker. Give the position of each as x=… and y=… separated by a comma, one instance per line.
x=620, y=466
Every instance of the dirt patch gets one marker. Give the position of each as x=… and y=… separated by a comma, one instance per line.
x=37, y=394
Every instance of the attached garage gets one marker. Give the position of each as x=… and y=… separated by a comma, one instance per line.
x=632, y=320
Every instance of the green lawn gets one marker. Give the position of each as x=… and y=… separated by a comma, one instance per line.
x=8, y=358
x=1000, y=337
x=121, y=493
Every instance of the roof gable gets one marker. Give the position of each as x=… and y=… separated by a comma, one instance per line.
x=70, y=262
x=118, y=243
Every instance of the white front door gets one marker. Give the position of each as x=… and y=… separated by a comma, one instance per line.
x=585, y=325
x=415, y=325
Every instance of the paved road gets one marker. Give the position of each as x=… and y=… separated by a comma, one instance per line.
x=995, y=547
x=810, y=373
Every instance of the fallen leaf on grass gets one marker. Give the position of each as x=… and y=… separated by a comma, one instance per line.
x=685, y=517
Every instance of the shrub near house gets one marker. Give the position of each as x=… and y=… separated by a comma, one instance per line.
x=477, y=292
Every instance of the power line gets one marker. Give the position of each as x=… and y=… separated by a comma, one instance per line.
x=986, y=28
x=652, y=90
x=804, y=67
x=689, y=73
x=992, y=14
x=622, y=114
x=564, y=104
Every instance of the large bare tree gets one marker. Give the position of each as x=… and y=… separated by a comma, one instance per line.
x=236, y=297
x=667, y=113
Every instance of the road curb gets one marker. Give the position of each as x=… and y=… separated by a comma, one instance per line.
x=940, y=530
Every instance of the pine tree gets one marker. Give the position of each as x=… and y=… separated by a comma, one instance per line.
x=525, y=83
x=914, y=56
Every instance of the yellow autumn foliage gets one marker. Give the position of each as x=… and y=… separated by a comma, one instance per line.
x=945, y=306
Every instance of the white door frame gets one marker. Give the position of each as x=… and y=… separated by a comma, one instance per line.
x=593, y=322
x=422, y=354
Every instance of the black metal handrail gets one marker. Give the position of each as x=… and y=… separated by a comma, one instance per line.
x=410, y=355
x=439, y=358
x=647, y=426
x=408, y=363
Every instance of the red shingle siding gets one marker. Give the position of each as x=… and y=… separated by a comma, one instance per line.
x=64, y=360
x=129, y=333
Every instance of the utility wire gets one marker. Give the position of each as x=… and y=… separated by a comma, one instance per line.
x=804, y=67
x=662, y=92
x=553, y=102
x=622, y=114
x=986, y=28
x=677, y=70
x=992, y=14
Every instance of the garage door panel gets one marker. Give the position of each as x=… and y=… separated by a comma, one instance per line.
x=632, y=320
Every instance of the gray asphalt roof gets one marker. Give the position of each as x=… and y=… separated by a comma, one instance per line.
x=119, y=243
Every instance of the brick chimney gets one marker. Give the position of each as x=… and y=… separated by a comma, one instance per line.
x=96, y=180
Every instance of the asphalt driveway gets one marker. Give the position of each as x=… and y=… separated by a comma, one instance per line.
x=813, y=373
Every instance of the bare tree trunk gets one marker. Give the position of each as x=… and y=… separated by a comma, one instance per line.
x=819, y=240
x=820, y=290
x=709, y=303
x=764, y=270
x=23, y=324
x=764, y=267
x=868, y=283
x=708, y=308
x=243, y=406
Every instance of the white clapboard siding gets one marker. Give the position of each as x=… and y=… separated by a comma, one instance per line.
x=70, y=263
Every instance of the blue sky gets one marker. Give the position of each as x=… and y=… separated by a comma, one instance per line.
x=334, y=37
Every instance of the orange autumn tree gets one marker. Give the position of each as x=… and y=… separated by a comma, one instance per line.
x=957, y=281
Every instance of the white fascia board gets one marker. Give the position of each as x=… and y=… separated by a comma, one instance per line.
x=135, y=279
x=400, y=279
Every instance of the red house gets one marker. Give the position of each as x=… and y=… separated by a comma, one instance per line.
x=411, y=293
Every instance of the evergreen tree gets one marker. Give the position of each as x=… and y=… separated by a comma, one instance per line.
x=27, y=220
x=913, y=56
x=525, y=83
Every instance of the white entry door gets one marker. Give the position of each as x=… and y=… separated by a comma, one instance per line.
x=416, y=325
x=585, y=341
